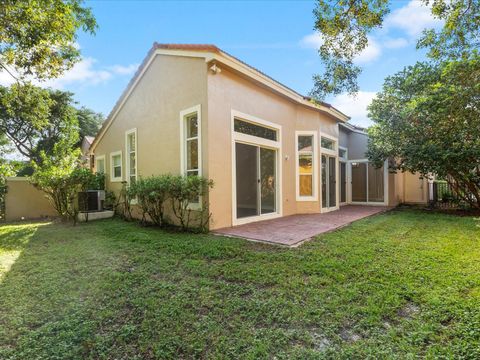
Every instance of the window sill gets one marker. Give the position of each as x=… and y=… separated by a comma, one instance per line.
x=307, y=198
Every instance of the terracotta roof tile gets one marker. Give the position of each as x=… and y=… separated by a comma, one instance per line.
x=193, y=47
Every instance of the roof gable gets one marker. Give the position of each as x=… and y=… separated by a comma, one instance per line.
x=212, y=53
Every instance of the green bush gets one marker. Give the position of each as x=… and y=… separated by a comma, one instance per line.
x=62, y=187
x=186, y=195
x=151, y=194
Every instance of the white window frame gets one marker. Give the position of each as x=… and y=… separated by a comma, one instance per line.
x=97, y=159
x=112, y=177
x=326, y=151
x=314, y=196
x=127, y=154
x=256, y=141
x=183, y=139
x=343, y=158
x=332, y=153
x=197, y=109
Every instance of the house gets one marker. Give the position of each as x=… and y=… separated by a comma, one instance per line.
x=271, y=152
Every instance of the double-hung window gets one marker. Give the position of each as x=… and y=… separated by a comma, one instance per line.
x=306, y=166
x=191, y=144
x=191, y=141
x=131, y=151
x=100, y=164
x=116, y=166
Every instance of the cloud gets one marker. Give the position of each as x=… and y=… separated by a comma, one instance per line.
x=83, y=73
x=124, y=70
x=355, y=107
x=396, y=43
x=369, y=54
x=412, y=18
x=313, y=41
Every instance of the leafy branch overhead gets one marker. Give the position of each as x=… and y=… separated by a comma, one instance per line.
x=344, y=26
x=37, y=38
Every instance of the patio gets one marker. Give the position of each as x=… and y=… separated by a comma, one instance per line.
x=293, y=230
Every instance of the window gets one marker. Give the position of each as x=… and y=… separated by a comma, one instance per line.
x=342, y=153
x=248, y=128
x=131, y=151
x=116, y=166
x=327, y=143
x=100, y=165
x=191, y=143
x=305, y=150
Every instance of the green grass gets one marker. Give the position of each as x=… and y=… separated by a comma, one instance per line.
x=399, y=285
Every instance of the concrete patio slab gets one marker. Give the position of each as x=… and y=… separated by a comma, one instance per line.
x=295, y=229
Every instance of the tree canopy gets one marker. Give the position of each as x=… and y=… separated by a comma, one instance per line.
x=344, y=26
x=35, y=119
x=427, y=118
x=38, y=37
x=89, y=122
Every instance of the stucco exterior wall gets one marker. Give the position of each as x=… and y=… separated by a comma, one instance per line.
x=23, y=201
x=169, y=85
x=227, y=91
x=415, y=189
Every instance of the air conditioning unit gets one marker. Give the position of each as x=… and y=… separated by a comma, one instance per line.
x=91, y=200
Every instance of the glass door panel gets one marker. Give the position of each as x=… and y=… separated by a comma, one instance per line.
x=359, y=182
x=267, y=180
x=343, y=182
x=324, y=182
x=246, y=180
x=329, y=181
x=332, y=181
x=375, y=184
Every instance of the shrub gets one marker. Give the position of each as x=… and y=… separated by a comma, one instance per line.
x=187, y=196
x=62, y=187
x=151, y=194
x=186, y=191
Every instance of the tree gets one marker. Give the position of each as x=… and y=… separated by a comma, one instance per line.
x=89, y=122
x=38, y=37
x=427, y=118
x=35, y=119
x=344, y=26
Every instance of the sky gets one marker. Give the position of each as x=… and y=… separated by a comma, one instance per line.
x=276, y=37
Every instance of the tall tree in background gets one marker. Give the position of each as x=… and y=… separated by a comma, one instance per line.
x=89, y=122
x=36, y=119
x=427, y=118
x=37, y=38
x=344, y=26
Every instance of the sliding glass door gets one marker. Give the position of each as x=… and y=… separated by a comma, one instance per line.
x=255, y=180
x=368, y=183
x=329, y=182
x=343, y=182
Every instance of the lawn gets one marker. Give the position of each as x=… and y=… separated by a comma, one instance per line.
x=399, y=285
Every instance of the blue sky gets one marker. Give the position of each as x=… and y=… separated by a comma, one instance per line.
x=275, y=36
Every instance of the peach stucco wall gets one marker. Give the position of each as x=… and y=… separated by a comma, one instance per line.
x=169, y=85
x=24, y=201
x=228, y=91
